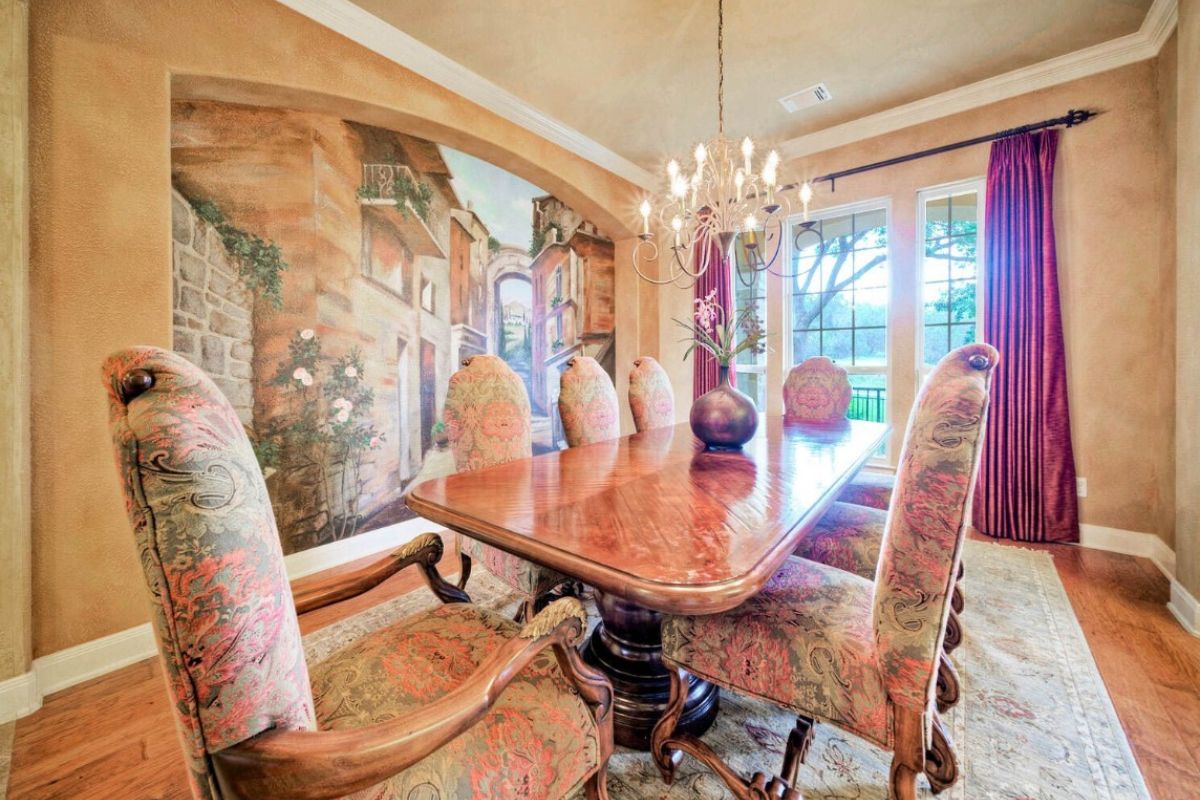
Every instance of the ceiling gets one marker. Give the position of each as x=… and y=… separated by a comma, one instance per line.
x=639, y=76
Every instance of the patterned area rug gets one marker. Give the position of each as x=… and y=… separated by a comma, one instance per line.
x=1035, y=720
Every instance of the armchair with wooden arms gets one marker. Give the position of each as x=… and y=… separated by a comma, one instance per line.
x=455, y=702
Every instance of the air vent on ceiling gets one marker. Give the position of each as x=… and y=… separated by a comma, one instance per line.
x=806, y=97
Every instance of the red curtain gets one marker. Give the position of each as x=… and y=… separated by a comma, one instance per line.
x=1027, y=477
x=705, y=374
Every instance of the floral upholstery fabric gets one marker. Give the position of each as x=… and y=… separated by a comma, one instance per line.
x=488, y=423
x=927, y=522
x=487, y=414
x=587, y=403
x=848, y=537
x=871, y=489
x=804, y=642
x=538, y=741
x=816, y=390
x=651, y=400
x=210, y=553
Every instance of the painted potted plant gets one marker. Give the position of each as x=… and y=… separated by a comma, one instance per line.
x=723, y=417
x=440, y=436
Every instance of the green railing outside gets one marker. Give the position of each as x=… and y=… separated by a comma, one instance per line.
x=867, y=404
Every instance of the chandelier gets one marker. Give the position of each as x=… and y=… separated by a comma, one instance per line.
x=714, y=197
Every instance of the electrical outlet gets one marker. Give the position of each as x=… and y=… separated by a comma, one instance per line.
x=1081, y=487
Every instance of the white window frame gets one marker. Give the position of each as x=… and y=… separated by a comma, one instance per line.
x=979, y=186
x=888, y=369
x=760, y=367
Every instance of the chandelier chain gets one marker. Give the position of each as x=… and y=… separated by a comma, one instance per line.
x=721, y=66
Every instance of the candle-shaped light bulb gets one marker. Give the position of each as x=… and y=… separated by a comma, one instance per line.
x=645, y=209
x=750, y=223
x=672, y=168
x=747, y=151
x=677, y=226
x=806, y=196
x=739, y=179
x=770, y=169
x=679, y=187
x=701, y=154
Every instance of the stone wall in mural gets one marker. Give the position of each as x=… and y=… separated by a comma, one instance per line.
x=331, y=276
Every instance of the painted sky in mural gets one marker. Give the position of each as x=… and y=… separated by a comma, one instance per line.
x=369, y=264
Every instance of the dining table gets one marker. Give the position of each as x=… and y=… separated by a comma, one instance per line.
x=655, y=523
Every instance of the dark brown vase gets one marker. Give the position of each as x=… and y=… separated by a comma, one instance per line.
x=724, y=417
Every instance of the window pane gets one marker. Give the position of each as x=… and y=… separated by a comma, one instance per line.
x=936, y=343
x=964, y=214
x=806, y=311
x=937, y=217
x=961, y=301
x=838, y=311
x=837, y=345
x=870, y=347
x=868, y=399
x=870, y=307
x=870, y=265
x=806, y=345
x=962, y=334
x=936, y=295
x=937, y=255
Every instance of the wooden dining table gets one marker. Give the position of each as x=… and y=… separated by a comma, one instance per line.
x=656, y=524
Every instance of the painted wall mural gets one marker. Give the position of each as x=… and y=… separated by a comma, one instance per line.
x=330, y=276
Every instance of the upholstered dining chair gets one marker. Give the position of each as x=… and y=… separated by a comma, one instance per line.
x=435, y=706
x=488, y=423
x=832, y=646
x=587, y=403
x=818, y=390
x=651, y=399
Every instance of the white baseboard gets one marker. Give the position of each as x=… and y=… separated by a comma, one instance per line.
x=19, y=696
x=1185, y=608
x=1132, y=543
x=23, y=695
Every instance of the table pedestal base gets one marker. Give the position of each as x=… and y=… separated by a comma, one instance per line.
x=627, y=647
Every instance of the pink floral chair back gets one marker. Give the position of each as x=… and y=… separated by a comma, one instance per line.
x=651, y=399
x=222, y=607
x=487, y=414
x=927, y=523
x=587, y=403
x=816, y=390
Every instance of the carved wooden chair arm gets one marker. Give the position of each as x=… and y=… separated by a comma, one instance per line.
x=424, y=551
x=314, y=765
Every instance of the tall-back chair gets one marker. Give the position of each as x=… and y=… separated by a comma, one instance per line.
x=651, y=399
x=488, y=423
x=587, y=403
x=422, y=707
x=835, y=647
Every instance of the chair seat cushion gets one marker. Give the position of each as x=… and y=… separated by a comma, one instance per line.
x=847, y=537
x=804, y=642
x=872, y=489
x=538, y=741
x=526, y=577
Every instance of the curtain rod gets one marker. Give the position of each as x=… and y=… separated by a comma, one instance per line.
x=1070, y=119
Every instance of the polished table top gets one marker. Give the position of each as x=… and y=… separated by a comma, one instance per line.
x=653, y=517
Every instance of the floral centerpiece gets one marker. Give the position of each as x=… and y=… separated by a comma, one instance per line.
x=723, y=417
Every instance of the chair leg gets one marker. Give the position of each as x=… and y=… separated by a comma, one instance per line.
x=799, y=740
x=908, y=758
x=667, y=747
x=947, y=684
x=954, y=633
x=941, y=762
x=465, y=572
x=596, y=787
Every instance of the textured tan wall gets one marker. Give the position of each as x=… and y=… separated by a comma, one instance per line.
x=1187, y=387
x=14, y=343
x=103, y=72
x=1109, y=207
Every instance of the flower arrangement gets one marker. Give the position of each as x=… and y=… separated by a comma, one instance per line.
x=709, y=329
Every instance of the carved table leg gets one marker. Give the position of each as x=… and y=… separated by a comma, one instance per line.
x=799, y=740
x=627, y=647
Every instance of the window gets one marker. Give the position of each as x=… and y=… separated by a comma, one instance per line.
x=749, y=289
x=951, y=263
x=839, y=298
x=428, y=295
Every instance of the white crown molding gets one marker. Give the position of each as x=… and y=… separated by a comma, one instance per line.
x=371, y=32
x=1143, y=44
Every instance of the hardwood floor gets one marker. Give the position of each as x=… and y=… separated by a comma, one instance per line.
x=114, y=737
